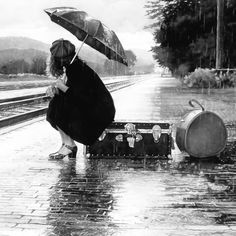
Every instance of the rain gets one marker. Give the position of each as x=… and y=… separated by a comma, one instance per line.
x=166, y=164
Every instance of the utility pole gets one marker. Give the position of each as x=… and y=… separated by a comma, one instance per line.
x=219, y=34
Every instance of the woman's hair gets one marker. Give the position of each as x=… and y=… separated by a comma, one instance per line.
x=62, y=53
x=55, y=67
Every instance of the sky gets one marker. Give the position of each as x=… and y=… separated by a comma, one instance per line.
x=126, y=17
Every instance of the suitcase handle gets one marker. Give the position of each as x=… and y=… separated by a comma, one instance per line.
x=197, y=102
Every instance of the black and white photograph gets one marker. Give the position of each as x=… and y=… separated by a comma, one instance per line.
x=118, y=118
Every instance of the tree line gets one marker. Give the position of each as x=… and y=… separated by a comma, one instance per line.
x=185, y=33
x=37, y=66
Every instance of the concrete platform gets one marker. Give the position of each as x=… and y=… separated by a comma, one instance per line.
x=179, y=196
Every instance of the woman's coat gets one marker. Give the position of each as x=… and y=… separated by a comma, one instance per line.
x=85, y=109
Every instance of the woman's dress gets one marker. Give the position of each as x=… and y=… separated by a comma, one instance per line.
x=85, y=109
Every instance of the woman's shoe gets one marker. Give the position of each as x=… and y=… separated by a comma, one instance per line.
x=55, y=153
x=71, y=154
x=57, y=156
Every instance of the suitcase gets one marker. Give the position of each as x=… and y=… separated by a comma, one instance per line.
x=122, y=140
x=201, y=133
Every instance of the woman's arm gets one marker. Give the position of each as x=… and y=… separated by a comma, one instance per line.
x=51, y=91
x=60, y=85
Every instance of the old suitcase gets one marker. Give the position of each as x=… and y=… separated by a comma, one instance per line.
x=134, y=139
x=201, y=133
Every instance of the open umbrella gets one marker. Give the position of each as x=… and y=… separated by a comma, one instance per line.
x=89, y=30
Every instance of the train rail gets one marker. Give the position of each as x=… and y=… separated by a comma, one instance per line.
x=19, y=109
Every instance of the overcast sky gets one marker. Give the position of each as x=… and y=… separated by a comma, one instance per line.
x=126, y=17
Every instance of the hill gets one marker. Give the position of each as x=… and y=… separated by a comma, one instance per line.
x=16, y=48
x=18, y=54
x=22, y=43
x=22, y=46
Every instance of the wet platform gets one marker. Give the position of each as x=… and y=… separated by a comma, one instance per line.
x=177, y=196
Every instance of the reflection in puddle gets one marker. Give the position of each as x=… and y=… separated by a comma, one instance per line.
x=114, y=197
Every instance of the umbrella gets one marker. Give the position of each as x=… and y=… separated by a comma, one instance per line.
x=89, y=30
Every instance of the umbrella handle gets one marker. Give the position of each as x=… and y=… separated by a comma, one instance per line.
x=79, y=49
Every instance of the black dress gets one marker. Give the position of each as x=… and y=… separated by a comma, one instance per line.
x=85, y=109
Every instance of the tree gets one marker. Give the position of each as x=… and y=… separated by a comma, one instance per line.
x=185, y=33
x=15, y=67
x=131, y=57
x=219, y=33
x=38, y=66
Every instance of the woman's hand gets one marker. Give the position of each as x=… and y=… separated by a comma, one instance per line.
x=60, y=85
x=51, y=91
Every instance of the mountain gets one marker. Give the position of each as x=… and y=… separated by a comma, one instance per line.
x=18, y=54
x=22, y=43
x=16, y=48
x=22, y=46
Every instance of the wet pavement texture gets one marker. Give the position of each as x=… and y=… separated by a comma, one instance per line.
x=179, y=196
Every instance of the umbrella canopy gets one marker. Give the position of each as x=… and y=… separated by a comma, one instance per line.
x=89, y=30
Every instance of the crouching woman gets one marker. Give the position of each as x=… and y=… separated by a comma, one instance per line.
x=81, y=106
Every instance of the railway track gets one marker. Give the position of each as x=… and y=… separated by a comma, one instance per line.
x=20, y=109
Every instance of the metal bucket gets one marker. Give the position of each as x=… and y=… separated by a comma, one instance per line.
x=201, y=133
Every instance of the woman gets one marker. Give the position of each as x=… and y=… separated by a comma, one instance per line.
x=81, y=106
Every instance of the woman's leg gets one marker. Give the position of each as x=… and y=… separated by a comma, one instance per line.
x=68, y=148
x=62, y=135
x=62, y=141
x=67, y=140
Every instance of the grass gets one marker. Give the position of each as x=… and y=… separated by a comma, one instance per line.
x=219, y=101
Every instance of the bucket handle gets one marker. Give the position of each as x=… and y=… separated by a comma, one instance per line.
x=197, y=102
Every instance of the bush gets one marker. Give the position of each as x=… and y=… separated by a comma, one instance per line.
x=201, y=78
x=226, y=80
x=205, y=78
x=233, y=79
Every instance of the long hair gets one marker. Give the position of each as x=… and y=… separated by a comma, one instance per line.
x=55, y=65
